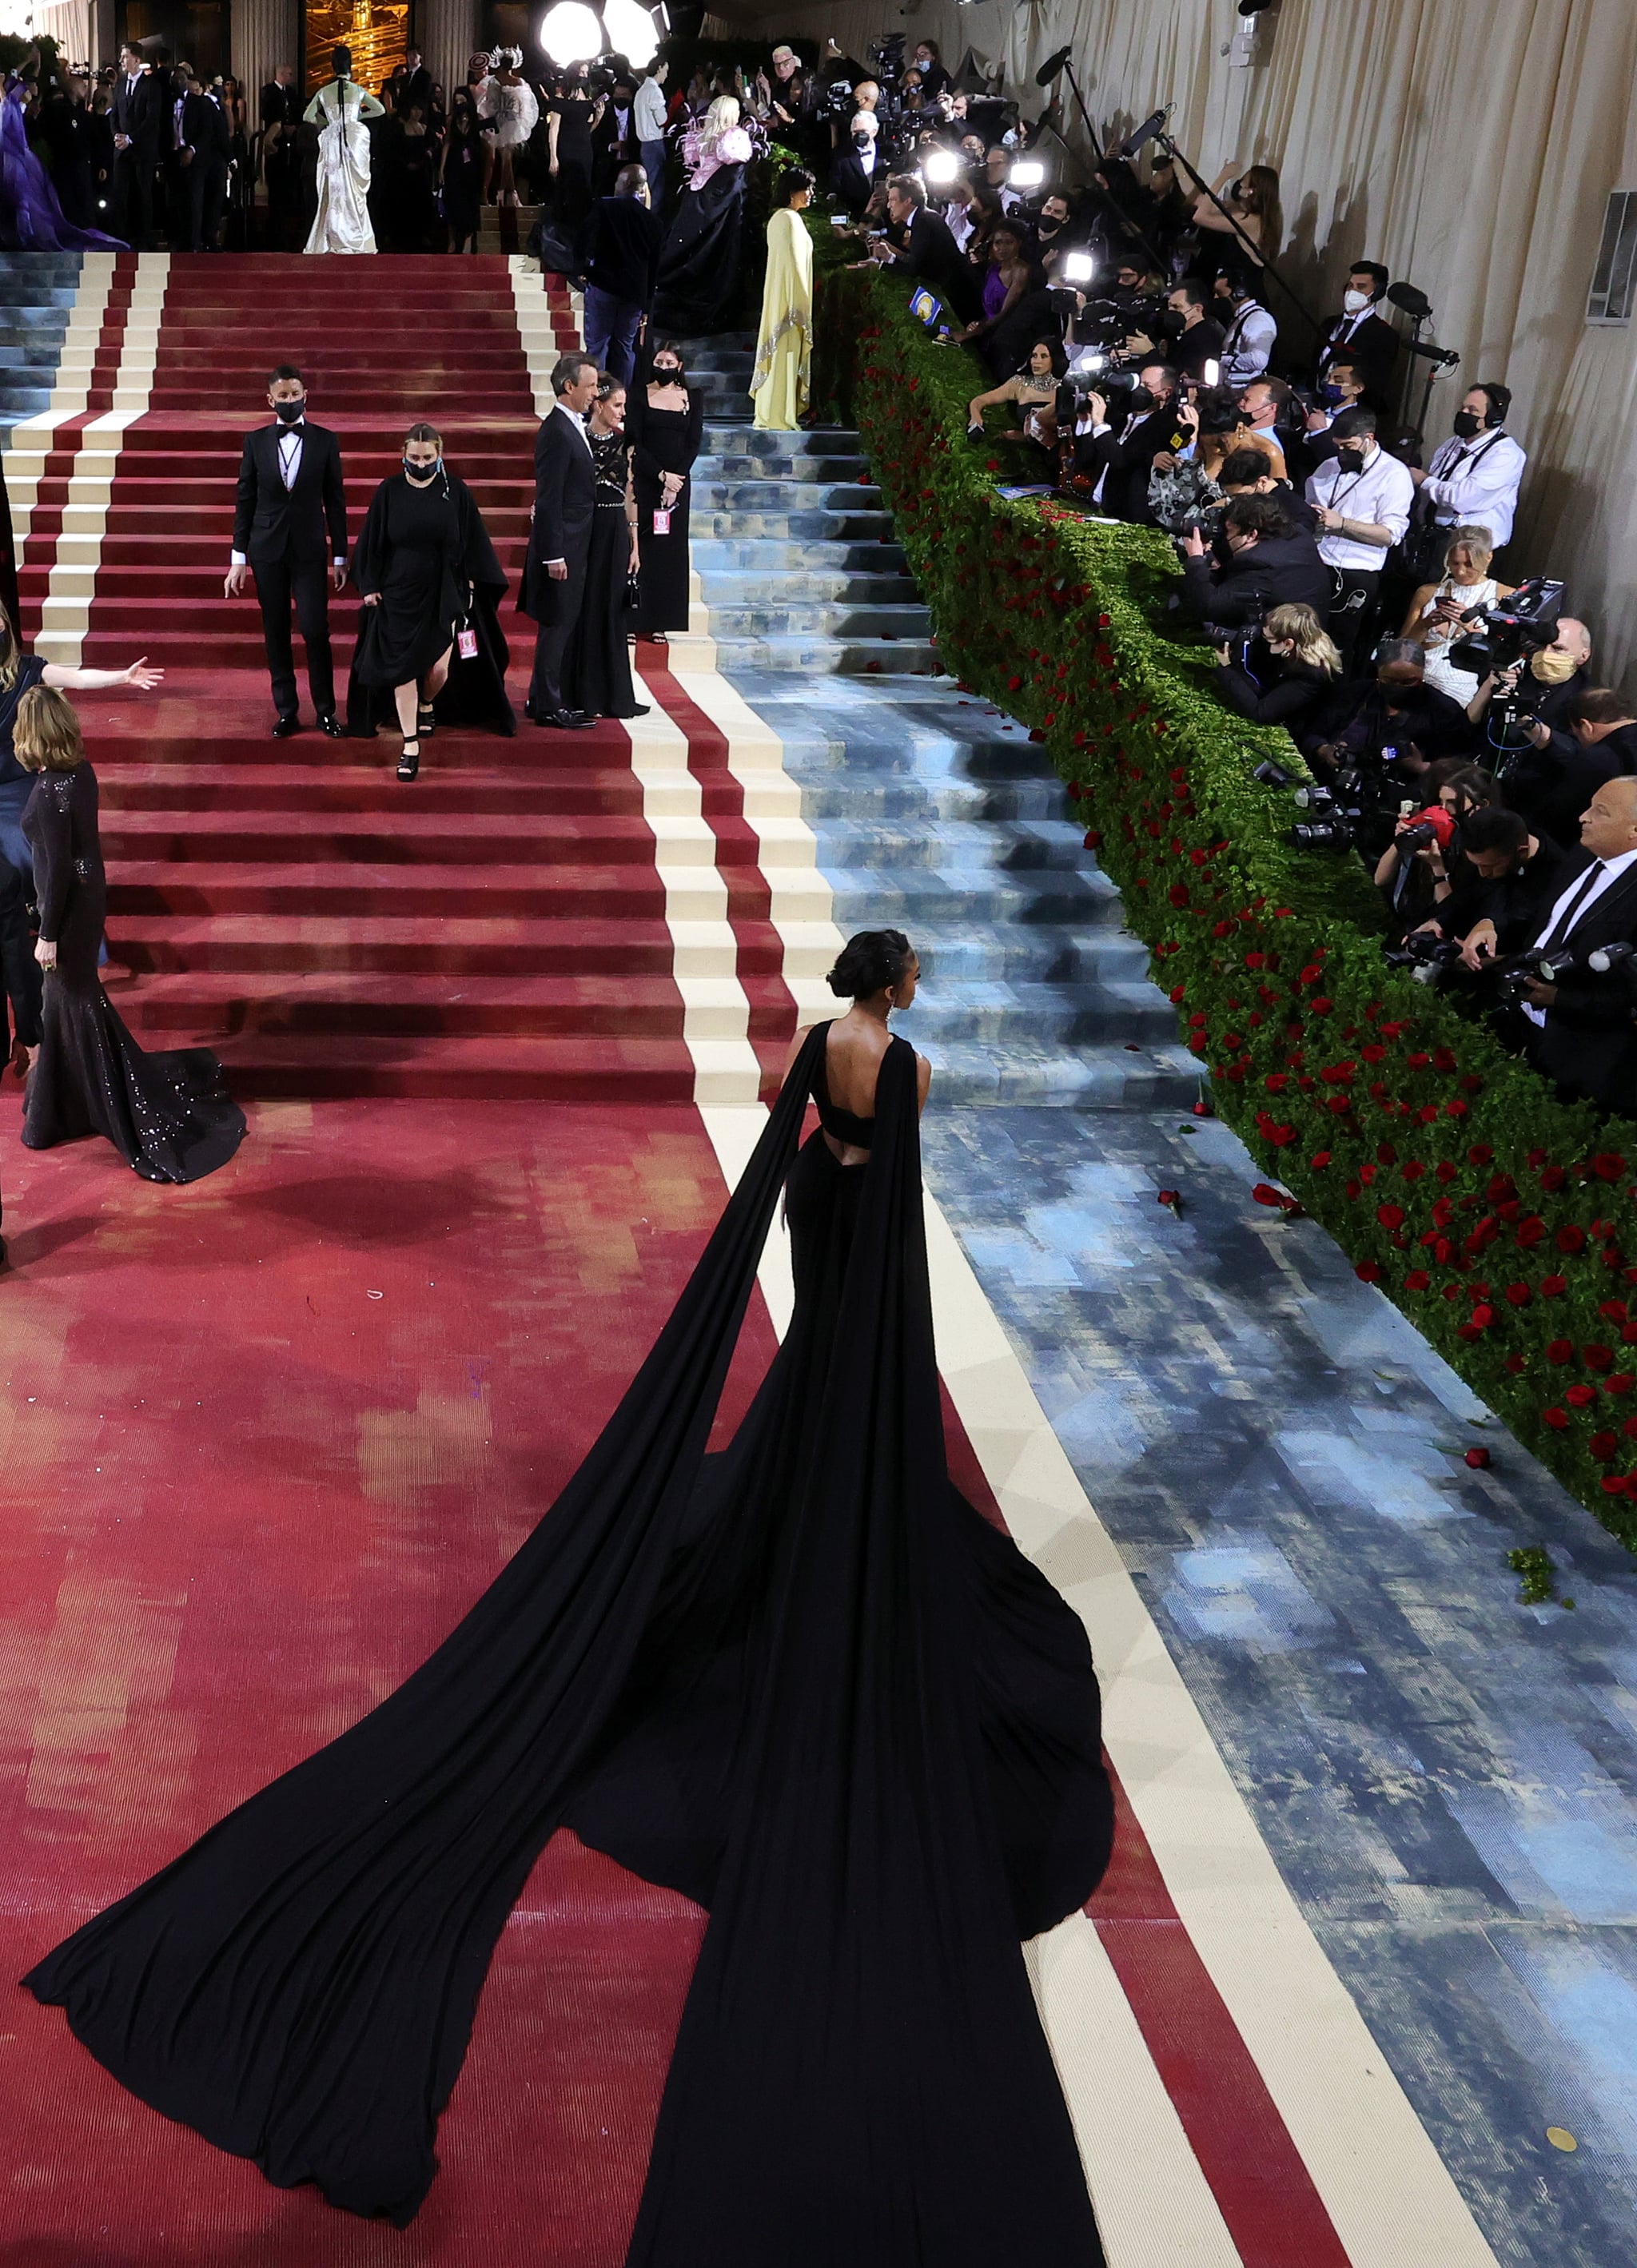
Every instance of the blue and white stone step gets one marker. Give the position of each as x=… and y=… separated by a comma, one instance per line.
x=764, y=556
x=779, y=615
x=37, y=293
x=728, y=592
x=812, y=654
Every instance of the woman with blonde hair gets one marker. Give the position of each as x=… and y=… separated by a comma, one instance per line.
x=170, y=1116
x=699, y=267
x=1276, y=677
x=1434, y=620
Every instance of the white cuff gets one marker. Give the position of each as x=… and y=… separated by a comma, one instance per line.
x=238, y=560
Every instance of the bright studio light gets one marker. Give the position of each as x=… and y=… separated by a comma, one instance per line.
x=631, y=29
x=1078, y=267
x=571, y=33
x=1027, y=173
x=939, y=167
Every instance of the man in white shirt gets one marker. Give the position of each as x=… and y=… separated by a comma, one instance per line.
x=648, y=110
x=1584, y=1036
x=1363, y=499
x=1248, y=348
x=1473, y=480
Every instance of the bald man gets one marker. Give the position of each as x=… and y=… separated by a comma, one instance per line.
x=1545, y=689
x=1583, y=1034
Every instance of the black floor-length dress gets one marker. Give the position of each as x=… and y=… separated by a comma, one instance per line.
x=169, y=1116
x=662, y=441
x=802, y=1682
x=700, y=284
x=427, y=552
x=596, y=667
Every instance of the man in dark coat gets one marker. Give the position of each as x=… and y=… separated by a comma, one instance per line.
x=289, y=495
x=1270, y=562
x=559, y=536
x=140, y=109
x=281, y=156
x=919, y=244
x=205, y=155
x=623, y=240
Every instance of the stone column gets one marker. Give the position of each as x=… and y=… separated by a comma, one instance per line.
x=265, y=33
x=447, y=33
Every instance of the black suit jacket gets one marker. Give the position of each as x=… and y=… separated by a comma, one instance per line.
x=281, y=105
x=413, y=86
x=929, y=252
x=565, y=497
x=1589, y=1042
x=1127, y=460
x=849, y=184
x=204, y=130
x=1280, y=571
x=622, y=241
x=1373, y=347
x=143, y=112
x=1552, y=786
x=273, y=522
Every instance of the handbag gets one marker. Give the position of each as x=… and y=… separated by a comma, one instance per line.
x=633, y=591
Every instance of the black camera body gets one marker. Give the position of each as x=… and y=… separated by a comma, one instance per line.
x=1426, y=958
x=1520, y=626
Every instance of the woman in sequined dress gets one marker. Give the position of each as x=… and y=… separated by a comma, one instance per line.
x=170, y=1115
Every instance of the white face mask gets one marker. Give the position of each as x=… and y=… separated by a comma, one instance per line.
x=1353, y=300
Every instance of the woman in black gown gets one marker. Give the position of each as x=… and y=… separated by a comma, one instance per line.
x=700, y=282
x=802, y=1682
x=428, y=574
x=596, y=668
x=664, y=422
x=170, y=1115
x=463, y=169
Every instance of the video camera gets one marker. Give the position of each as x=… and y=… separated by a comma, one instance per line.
x=1520, y=626
x=1335, y=814
x=1424, y=956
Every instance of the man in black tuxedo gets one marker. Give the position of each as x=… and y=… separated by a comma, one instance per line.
x=1580, y=1031
x=1362, y=335
x=624, y=239
x=141, y=112
x=412, y=83
x=559, y=536
x=919, y=244
x=290, y=492
x=204, y=155
x=1127, y=452
x=281, y=153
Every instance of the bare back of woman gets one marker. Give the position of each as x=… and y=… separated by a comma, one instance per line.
x=882, y=965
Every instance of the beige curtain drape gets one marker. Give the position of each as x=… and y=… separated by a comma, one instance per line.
x=265, y=33
x=1473, y=155
x=69, y=23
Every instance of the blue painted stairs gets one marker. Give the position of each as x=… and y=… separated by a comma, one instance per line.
x=37, y=291
x=932, y=811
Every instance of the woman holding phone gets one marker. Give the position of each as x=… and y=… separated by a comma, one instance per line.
x=1434, y=620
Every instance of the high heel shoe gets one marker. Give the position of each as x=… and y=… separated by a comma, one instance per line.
x=410, y=762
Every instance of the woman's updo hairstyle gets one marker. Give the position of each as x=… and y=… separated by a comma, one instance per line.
x=870, y=962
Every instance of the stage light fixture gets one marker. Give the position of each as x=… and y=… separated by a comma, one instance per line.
x=1078, y=267
x=940, y=168
x=571, y=33
x=631, y=30
x=1027, y=173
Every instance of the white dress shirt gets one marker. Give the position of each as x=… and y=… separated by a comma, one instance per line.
x=1248, y=345
x=1475, y=483
x=289, y=468
x=650, y=111
x=1613, y=869
x=1379, y=495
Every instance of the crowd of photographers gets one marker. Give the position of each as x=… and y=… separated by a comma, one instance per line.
x=1349, y=574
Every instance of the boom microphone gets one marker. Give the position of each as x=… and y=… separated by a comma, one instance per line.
x=1146, y=132
x=1049, y=70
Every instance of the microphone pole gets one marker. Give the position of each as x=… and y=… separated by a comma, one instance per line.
x=1085, y=115
x=1264, y=264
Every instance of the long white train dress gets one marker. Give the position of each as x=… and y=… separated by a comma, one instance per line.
x=342, y=223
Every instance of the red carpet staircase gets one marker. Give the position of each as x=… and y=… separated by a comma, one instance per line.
x=499, y=928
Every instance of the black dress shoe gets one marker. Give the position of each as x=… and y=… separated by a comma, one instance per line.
x=564, y=721
x=333, y=726
x=284, y=726
x=642, y=708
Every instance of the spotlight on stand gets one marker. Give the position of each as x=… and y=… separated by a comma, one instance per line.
x=940, y=168
x=631, y=30
x=1078, y=267
x=571, y=32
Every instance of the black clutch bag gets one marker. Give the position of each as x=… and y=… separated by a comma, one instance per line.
x=633, y=591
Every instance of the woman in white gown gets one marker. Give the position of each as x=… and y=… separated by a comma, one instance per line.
x=342, y=223
x=509, y=103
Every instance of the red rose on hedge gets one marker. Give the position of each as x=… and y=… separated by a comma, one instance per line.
x=1479, y=1460
x=1556, y=1418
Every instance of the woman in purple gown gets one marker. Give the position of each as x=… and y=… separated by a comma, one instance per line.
x=31, y=218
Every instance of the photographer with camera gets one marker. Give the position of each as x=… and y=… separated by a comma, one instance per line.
x=1553, y=780
x=1393, y=722
x=1500, y=890
x=1534, y=672
x=1195, y=336
x=1577, y=1024
x=1266, y=560
x=1280, y=676
x=1363, y=499
x=1419, y=869
x=1144, y=424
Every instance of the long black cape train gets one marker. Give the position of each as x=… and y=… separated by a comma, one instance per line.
x=802, y=1682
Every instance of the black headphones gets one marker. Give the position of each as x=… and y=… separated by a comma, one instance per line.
x=1500, y=400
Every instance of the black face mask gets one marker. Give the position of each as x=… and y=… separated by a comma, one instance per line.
x=1468, y=423
x=1168, y=324
x=290, y=413
x=1351, y=461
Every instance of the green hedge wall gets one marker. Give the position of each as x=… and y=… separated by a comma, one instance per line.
x=1502, y=1222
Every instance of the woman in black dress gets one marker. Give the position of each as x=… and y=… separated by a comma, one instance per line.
x=801, y=1681
x=596, y=668
x=170, y=1116
x=429, y=577
x=572, y=116
x=700, y=283
x=663, y=422
x=463, y=169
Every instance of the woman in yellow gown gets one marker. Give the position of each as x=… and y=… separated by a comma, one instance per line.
x=784, y=347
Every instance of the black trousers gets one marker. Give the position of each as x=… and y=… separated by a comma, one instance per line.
x=133, y=197
x=1354, y=617
x=278, y=581
x=545, y=685
x=207, y=193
